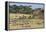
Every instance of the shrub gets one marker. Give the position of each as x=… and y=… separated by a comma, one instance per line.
x=29, y=17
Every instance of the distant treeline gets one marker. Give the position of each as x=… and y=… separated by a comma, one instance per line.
x=23, y=9
x=20, y=9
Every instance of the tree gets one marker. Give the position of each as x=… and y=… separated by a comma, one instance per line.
x=20, y=9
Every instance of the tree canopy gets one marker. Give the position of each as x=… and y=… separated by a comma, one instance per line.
x=20, y=9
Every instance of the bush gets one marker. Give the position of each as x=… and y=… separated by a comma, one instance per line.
x=29, y=17
x=24, y=17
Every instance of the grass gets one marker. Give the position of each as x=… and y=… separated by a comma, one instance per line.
x=16, y=23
